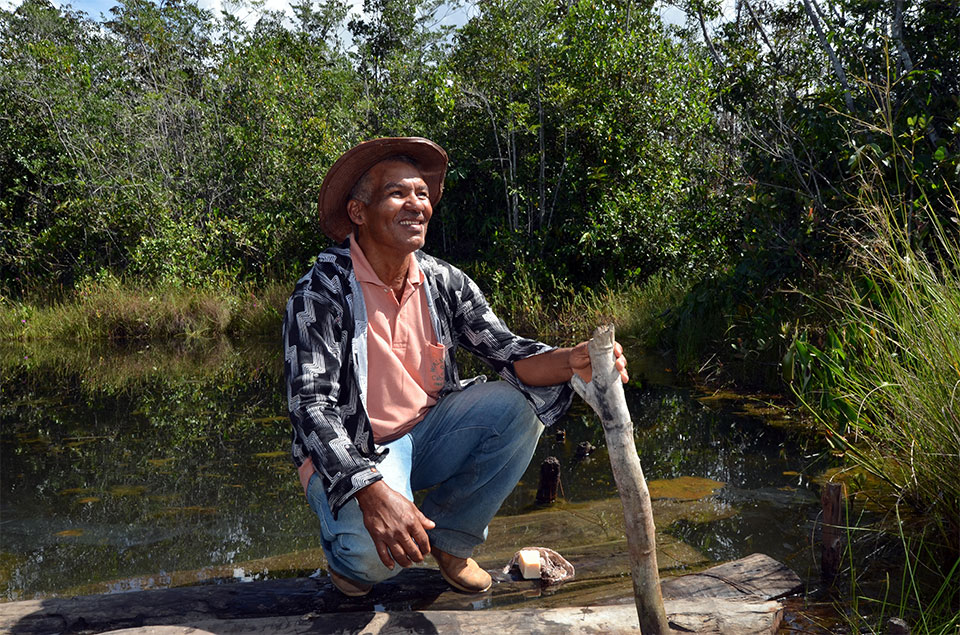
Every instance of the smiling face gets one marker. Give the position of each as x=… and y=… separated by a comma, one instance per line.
x=394, y=221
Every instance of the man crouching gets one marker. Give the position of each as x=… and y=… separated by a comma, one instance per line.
x=375, y=398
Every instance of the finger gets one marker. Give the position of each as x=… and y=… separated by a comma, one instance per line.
x=400, y=556
x=421, y=537
x=425, y=522
x=617, y=349
x=384, y=554
x=413, y=550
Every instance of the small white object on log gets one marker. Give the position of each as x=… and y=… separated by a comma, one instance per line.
x=529, y=564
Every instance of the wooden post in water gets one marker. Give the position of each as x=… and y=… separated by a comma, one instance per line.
x=549, y=480
x=831, y=552
x=604, y=393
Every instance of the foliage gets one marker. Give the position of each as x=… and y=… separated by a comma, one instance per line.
x=883, y=379
x=556, y=312
x=164, y=146
x=568, y=121
x=168, y=146
x=806, y=117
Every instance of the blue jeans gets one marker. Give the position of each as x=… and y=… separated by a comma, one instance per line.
x=471, y=448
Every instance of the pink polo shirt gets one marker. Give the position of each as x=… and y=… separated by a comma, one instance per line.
x=404, y=364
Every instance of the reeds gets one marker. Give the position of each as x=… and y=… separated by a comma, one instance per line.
x=114, y=310
x=561, y=314
x=886, y=388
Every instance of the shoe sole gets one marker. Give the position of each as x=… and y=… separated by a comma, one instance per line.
x=352, y=593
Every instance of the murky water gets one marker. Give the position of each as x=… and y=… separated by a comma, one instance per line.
x=154, y=466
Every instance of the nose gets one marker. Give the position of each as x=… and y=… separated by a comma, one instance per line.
x=414, y=202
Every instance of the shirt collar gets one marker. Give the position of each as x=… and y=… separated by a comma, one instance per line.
x=364, y=270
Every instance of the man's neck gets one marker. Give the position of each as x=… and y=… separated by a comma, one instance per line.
x=391, y=267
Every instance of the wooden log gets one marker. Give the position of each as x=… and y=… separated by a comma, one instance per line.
x=831, y=552
x=605, y=395
x=756, y=576
x=300, y=603
x=713, y=616
x=549, y=480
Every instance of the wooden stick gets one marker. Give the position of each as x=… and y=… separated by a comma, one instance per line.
x=604, y=393
x=831, y=552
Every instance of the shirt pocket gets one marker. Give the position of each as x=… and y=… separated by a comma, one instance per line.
x=434, y=376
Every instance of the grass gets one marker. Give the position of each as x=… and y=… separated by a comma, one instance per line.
x=114, y=310
x=561, y=314
x=885, y=386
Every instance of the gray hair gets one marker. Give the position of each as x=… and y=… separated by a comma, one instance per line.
x=363, y=189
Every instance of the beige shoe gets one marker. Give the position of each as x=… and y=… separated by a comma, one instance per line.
x=348, y=587
x=463, y=574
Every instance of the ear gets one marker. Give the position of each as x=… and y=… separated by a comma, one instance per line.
x=356, y=211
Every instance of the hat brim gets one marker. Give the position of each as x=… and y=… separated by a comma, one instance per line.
x=354, y=163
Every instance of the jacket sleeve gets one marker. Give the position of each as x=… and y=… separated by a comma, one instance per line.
x=315, y=342
x=482, y=333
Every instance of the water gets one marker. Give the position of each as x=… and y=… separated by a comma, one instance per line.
x=151, y=466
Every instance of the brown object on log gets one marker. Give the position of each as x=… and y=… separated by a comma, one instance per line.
x=831, y=552
x=549, y=480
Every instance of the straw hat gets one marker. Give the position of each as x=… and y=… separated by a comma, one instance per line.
x=354, y=163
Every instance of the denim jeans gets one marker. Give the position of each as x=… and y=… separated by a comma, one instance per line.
x=471, y=448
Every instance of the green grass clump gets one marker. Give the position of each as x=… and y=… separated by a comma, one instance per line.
x=885, y=384
x=895, y=365
x=559, y=313
x=113, y=310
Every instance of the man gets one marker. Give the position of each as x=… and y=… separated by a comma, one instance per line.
x=375, y=398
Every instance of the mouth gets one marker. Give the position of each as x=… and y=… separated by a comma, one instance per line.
x=414, y=224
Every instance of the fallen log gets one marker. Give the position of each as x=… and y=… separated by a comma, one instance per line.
x=736, y=593
x=725, y=616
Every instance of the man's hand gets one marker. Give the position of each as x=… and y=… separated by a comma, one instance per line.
x=397, y=527
x=580, y=361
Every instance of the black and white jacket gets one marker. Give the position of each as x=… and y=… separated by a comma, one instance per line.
x=325, y=363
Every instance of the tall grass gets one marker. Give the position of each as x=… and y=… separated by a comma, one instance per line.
x=551, y=310
x=886, y=387
x=900, y=322
x=559, y=313
x=116, y=310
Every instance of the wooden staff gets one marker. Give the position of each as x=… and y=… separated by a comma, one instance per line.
x=604, y=393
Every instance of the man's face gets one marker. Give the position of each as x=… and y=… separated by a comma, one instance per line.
x=396, y=218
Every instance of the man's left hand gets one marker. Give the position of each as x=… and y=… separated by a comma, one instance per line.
x=580, y=361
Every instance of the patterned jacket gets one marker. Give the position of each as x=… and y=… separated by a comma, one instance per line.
x=325, y=363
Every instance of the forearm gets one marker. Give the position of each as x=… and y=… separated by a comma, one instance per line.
x=545, y=369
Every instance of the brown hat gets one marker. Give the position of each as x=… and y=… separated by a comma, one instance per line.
x=354, y=163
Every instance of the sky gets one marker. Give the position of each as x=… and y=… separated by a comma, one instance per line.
x=99, y=9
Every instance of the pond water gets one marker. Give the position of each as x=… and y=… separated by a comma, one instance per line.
x=157, y=465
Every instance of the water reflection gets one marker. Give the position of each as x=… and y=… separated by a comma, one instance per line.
x=147, y=466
